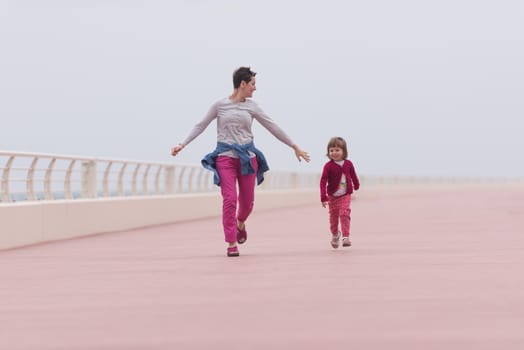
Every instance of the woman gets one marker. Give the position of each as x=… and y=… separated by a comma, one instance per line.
x=236, y=159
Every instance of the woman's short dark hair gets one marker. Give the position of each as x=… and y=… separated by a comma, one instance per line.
x=242, y=74
x=338, y=142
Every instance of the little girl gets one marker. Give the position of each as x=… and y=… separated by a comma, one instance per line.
x=337, y=182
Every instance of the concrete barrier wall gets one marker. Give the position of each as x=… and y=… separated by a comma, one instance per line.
x=27, y=223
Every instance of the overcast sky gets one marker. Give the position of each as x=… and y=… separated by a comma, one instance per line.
x=416, y=87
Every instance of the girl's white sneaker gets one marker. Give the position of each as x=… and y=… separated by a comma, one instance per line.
x=335, y=240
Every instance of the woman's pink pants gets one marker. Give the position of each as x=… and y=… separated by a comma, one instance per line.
x=229, y=170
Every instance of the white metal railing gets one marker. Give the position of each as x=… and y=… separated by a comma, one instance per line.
x=38, y=176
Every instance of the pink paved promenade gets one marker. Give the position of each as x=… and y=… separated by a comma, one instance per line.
x=431, y=268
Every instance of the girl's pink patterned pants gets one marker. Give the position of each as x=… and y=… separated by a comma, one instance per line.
x=339, y=210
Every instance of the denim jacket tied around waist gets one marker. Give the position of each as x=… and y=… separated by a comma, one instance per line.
x=242, y=151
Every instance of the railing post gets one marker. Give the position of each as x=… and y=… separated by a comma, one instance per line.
x=105, y=180
x=5, y=180
x=30, y=179
x=48, y=190
x=89, y=179
x=121, y=174
x=169, y=179
x=68, y=193
x=294, y=181
x=134, y=190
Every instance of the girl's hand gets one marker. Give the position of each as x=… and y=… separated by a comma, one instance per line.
x=175, y=150
x=324, y=204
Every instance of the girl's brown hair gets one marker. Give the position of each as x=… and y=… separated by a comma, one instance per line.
x=338, y=142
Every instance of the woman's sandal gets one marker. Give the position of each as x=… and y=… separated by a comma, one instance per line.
x=232, y=251
x=241, y=235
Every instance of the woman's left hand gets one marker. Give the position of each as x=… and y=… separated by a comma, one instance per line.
x=300, y=154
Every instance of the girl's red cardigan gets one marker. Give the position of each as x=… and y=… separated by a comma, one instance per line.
x=331, y=176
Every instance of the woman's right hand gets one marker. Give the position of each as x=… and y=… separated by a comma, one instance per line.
x=175, y=150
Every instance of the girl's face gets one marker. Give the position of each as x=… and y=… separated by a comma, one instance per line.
x=336, y=153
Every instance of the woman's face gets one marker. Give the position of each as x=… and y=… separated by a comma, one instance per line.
x=249, y=88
